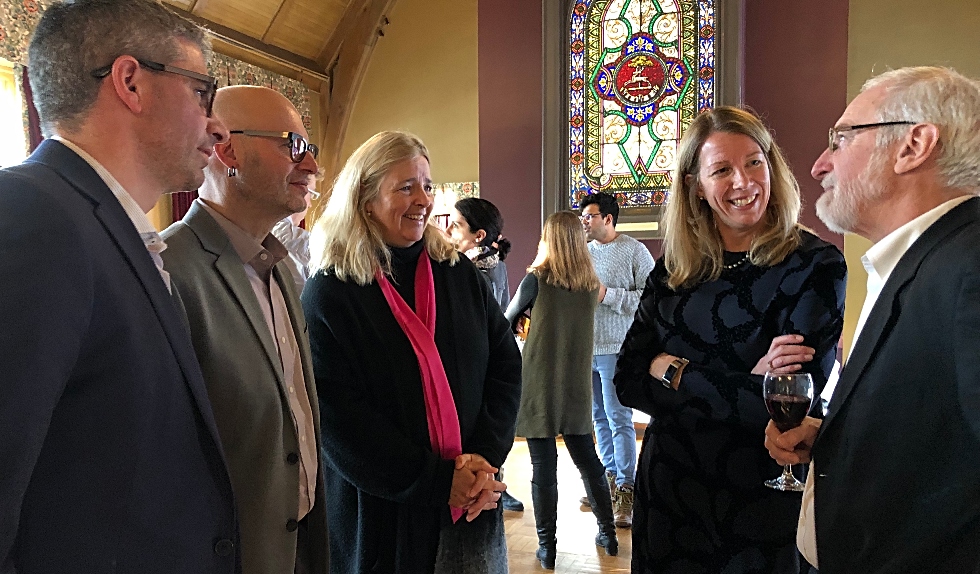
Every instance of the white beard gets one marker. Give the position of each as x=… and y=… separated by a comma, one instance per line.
x=841, y=205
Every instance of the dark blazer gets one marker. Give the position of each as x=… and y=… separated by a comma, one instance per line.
x=109, y=455
x=244, y=379
x=898, y=456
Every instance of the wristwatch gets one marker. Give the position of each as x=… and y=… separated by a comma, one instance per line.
x=675, y=366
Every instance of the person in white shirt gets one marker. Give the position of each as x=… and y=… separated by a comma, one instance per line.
x=296, y=240
x=895, y=478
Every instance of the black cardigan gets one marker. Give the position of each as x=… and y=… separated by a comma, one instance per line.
x=387, y=491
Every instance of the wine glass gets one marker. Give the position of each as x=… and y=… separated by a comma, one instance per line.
x=788, y=398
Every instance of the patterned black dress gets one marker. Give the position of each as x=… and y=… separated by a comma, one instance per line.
x=700, y=503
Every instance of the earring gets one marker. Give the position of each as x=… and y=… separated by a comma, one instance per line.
x=232, y=171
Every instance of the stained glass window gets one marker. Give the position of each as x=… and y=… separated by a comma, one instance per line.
x=640, y=70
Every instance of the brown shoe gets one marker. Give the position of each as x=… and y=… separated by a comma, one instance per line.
x=584, y=501
x=623, y=507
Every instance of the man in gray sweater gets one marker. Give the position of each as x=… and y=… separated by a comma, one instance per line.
x=622, y=264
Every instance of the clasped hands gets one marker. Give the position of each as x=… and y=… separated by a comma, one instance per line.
x=474, y=487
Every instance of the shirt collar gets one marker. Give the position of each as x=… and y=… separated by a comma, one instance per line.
x=883, y=256
x=129, y=205
x=261, y=256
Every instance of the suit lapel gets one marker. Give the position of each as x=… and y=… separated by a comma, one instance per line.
x=887, y=308
x=229, y=266
x=122, y=232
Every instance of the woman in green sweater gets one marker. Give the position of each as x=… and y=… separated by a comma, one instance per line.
x=562, y=290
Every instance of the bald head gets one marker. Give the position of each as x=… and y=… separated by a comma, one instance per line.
x=256, y=108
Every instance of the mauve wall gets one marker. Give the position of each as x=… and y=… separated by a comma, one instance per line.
x=510, y=122
x=795, y=76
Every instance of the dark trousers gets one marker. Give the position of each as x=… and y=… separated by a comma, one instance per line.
x=544, y=457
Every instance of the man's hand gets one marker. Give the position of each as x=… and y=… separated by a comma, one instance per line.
x=792, y=446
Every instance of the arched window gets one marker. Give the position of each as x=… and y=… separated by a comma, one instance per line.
x=639, y=71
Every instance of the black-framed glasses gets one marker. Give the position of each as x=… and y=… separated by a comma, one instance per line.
x=834, y=136
x=207, y=95
x=298, y=146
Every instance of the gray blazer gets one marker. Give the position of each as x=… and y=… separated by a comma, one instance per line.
x=248, y=395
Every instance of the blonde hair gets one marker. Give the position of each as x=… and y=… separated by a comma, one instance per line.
x=563, y=258
x=693, y=248
x=344, y=239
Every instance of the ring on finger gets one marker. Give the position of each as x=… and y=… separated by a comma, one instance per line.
x=770, y=364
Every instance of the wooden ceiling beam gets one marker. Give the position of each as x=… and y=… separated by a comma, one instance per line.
x=355, y=10
x=273, y=52
x=352, y=58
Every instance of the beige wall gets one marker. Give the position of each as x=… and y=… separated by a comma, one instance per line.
x=422, y=78
x=887, y=34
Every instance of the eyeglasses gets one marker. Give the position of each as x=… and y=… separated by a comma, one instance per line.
x=207, y=95
x=834, y=137
x=589, y=216
x=298, y=146
x=313, y=193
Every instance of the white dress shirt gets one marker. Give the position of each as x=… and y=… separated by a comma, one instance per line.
x=151, y=238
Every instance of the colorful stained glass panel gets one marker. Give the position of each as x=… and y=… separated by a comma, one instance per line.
x=640, y=70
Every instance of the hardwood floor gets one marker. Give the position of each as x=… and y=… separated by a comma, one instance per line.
x=577, y=552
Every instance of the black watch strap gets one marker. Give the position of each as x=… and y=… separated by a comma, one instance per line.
x=671, y=372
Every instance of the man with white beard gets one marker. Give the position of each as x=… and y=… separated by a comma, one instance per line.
x=895, y=480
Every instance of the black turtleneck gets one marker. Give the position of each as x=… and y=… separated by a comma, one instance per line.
x=404, y=260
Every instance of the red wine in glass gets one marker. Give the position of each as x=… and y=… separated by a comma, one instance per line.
x=787, y=411
x=788, y=398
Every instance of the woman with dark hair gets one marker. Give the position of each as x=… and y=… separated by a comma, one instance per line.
x=562, y=291
x=741, y=289
x=475, y=226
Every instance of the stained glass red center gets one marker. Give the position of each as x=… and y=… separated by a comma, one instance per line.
x=640, y=78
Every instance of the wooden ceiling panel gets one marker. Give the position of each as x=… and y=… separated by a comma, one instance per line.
x=304, y=26
x=182, y=4
x=250, y=17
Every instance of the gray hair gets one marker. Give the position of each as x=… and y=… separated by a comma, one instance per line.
x=945, y=98
x=75, y=37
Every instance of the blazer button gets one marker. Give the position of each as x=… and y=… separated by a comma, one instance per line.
x=224, y=547
x=292, y=458
x=292, y=525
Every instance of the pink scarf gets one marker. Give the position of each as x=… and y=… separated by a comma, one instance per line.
x=420, y=328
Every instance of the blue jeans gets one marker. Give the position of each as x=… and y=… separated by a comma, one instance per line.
x=613, y=423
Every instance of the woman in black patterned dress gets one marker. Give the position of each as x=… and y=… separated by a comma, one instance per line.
x=741, y=289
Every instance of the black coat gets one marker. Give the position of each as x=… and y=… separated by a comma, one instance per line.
x=387, y=492
x=898, y=456
x=109, y=455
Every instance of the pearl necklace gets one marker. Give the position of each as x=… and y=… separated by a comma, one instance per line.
x=737, y=263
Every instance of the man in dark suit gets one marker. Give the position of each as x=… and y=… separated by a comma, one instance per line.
x=249, y=331
x=109, y=456
x=896, y=462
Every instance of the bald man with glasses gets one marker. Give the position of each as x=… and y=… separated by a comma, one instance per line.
x=248, y=327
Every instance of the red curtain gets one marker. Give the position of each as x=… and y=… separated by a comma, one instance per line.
x=181, y=202
x=33, y=121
